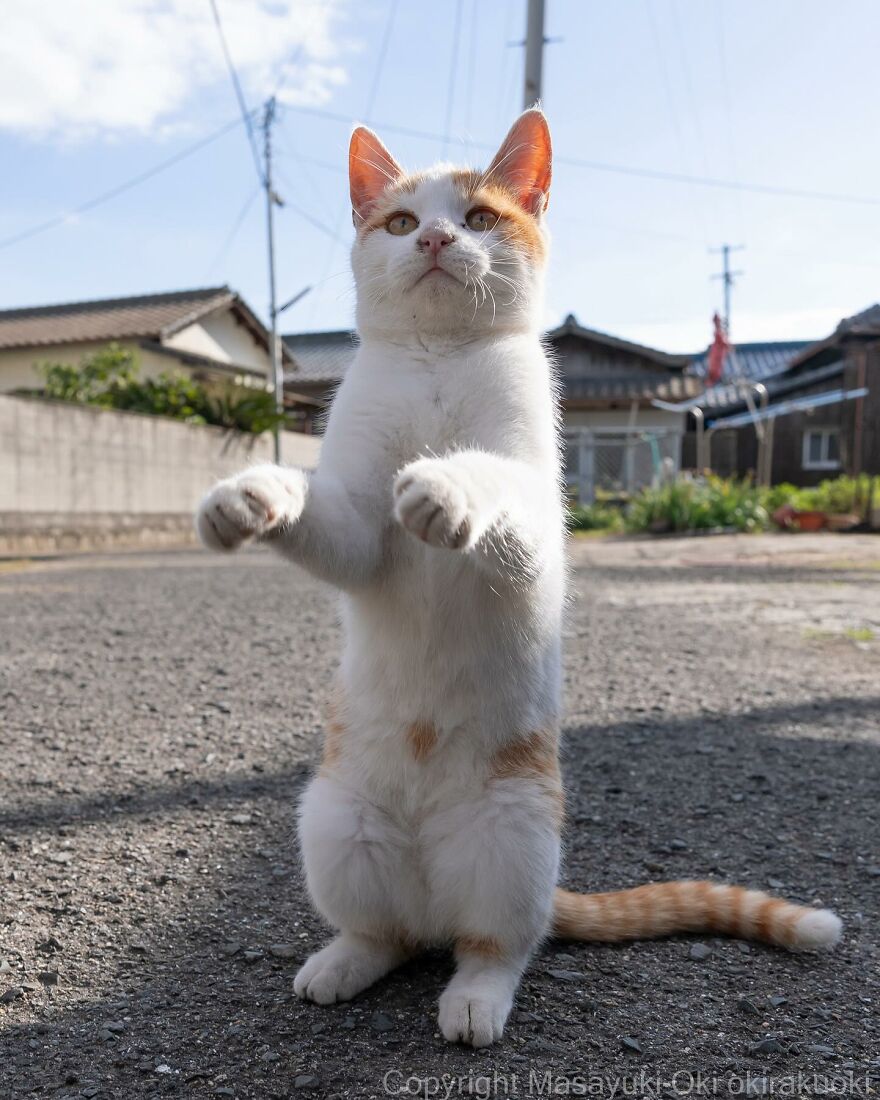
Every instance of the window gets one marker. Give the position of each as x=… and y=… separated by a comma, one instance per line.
x=821, y=449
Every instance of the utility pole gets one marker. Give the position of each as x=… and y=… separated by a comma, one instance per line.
x=727, y=277
x=534, y=53
x=272, y=199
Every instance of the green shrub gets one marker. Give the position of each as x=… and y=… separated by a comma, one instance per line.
x=698, y=505
x=595, y=517
x=109, y=377
x=836, y=496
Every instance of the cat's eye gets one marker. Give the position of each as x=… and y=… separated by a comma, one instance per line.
x=481, y=219
x=401, y=223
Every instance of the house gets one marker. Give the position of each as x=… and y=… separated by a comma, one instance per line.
x=210, y=334
x=822, y=422
x=747, y=364
x=616, y=440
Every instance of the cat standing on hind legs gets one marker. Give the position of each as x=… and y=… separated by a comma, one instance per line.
x=436, y=511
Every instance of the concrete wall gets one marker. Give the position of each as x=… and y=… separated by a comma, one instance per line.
x=65, y=468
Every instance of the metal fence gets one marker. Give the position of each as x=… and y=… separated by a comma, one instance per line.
x=617, y=463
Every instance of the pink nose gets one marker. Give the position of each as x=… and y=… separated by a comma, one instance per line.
x=434, y=239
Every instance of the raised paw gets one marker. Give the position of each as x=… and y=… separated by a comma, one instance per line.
x=250, y=505
x=474, y=1016
x=432, y=502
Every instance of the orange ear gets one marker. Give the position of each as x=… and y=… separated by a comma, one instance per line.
x=523, y=163
x=370, y=169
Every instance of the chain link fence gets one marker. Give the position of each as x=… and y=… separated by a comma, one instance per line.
x=617, y=464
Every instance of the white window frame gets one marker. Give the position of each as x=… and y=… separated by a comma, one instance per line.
x=823, y=463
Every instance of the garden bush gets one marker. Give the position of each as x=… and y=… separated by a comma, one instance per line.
x=698, y=504
x=109, y=378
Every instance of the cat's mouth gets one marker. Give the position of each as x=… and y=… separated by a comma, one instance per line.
x=432, y=274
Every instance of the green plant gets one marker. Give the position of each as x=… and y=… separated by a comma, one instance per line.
x=246, y=411
x=698, y=505
x=109, y=377
x=837, y=496
x=99, y=379
x=595, y=517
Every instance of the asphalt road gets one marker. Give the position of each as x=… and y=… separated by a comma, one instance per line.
x=159, y=714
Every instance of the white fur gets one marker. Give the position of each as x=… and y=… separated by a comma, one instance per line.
x=817, y=928
x=436, y=511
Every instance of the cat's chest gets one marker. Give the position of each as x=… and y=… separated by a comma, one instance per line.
x=436, y=417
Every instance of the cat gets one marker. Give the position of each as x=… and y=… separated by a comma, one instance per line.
x=436, y=509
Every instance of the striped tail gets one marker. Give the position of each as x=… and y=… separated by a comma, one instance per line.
x=664, y=908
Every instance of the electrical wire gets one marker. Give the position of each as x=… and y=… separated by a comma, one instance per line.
x=119, y=189
x=239, y=94
x=233, y=232
x=369, y=106
x=453, y=70
x=673, y=112
x=624, y=169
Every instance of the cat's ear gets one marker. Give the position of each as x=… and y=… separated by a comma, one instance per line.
x=370, y=169
x=523, y=163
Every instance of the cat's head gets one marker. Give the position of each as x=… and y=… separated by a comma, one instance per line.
x=451, y=250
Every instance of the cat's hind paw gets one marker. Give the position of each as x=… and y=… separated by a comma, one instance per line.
x=252, y=504
x=432, y=502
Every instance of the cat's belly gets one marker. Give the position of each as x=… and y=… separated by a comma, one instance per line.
x=442, y=645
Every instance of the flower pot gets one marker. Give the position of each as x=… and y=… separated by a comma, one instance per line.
x=810, y=521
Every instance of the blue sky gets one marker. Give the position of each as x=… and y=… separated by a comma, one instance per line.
x=782, y=94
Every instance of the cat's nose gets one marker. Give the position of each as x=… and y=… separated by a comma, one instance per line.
x=432, y=240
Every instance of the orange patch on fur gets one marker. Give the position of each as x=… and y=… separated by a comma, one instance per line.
x=534, y=756
x=334, y=737
x=529, y=757
x=484, y=947
x=422, y=738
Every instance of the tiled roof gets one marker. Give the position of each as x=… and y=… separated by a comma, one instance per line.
x=752, y=361
x=675, y=387
x=324, y=357
x=866, y=323
x=320, y=356
x=572, y=327
x=152, y=316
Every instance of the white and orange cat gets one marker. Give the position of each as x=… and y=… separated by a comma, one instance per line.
x=436, y=510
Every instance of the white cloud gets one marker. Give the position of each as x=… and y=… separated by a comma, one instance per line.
x=78, y=68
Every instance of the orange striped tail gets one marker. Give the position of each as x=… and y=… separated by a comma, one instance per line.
x=665, y=908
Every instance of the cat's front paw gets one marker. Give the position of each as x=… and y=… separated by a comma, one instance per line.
x=252, y=504
x=431, y=500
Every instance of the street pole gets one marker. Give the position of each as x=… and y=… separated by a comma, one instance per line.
x=727, y=277
x=274, y=339
x=534, y=53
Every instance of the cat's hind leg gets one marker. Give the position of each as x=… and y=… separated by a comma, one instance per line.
x=359, y=873
x=494, y=862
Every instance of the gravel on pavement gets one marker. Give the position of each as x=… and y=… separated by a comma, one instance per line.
x=159, y=714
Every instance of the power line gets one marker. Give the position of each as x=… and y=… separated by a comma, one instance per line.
x=105, y=196
x=239, y=94
x=670, y=99
x=624, y=169
x=380, y=59
x=453, y=68
x=336, y=232
x=233, y=232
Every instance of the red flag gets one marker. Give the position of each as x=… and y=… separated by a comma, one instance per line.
x=717, y=352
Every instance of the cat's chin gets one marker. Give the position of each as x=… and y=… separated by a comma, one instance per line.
x=437, y=279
